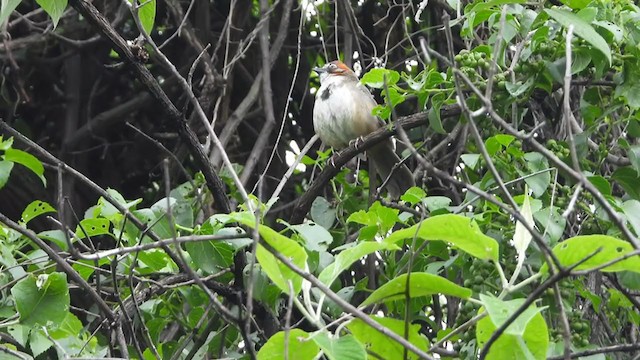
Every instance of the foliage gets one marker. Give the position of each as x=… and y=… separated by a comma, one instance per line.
x=525, y=217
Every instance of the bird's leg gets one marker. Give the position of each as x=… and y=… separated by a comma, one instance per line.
x=356, y=142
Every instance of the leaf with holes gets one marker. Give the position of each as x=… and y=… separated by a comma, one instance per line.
x=36, y=208
x=606, y=248
x=92, y=227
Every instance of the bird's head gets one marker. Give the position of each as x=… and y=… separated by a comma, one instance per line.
x=334, y=70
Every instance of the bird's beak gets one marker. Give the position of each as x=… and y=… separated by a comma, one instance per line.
x=319, y=70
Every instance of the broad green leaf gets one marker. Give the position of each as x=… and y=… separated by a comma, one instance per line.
x=420, y=284
x=382, y=345
x=582, y=29
x=6, y=8
x=573, y=250
x=55, y=9
x=601, y=184
x=629, y=180
x=36, y=208
x=316, y=238
x=343, y=348
x=540, y=182
x=298, y=346
x=210, y=256
x=375, y=78
x=43, y=299
x=92, y=227
x=38, y=342
x=552, y=221
x=634, y=157
x=499, y=311
x=349, y=256
x=532, y=344
x=29, y=161
x=458, y=230
x=55, y=236
x=323, y=213
x=5, y=171
x=278, y=272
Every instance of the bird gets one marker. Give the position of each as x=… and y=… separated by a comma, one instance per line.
x=342, y=114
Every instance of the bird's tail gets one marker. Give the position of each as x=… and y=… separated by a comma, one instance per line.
x=384, y=159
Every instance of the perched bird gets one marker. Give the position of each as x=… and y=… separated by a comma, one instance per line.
x=342, y=113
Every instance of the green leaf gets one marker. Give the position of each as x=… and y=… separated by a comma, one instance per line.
x=6, y=8
x=343, y=348
x=55, y=9
x=42, y=300
x=629, y=180
x=323, y=213
x=375, y=78
x=540, y=182
x=27, y=160
x=631, y=209
x=499, y=311
x=298, y=346
x=92, y=227
x=5, y=171
x=575, y=249
x=349, y=256
x=382, y=345
x=316, y=238
x=420, y=284
x=55, y=236
x=456, y=229
x=582, y=29
x=278, y=272
x=210, y=256
x=533, y=342
x=147, y=14
x=552, y=221
x=36, y=208
x=601, y=184
x=434, y=113
x=414, y=195
x=634, y=157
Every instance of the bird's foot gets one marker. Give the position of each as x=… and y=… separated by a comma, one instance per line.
x=356, y=142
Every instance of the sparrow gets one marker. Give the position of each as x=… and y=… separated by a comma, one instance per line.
x=342, y=113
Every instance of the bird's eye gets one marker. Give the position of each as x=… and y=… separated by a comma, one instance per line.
x=332, y=66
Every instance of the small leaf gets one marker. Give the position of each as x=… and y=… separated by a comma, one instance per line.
x=298, y=346
x=349, y=256
x=499, y=311
x=210, y=256
x=343, y=348
x=631, y=209
x=629, y=180
x=522, y=237
x=55, y=9
x=42, y=300
x=456, y=229
x=582, y=29
x=29, y=161
x=5, y=171
x=434, y=113
x=375, y=78
x=36, y=208
x=414, y=195
x=147, y=14
x=420, y=284
x=575, y=249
